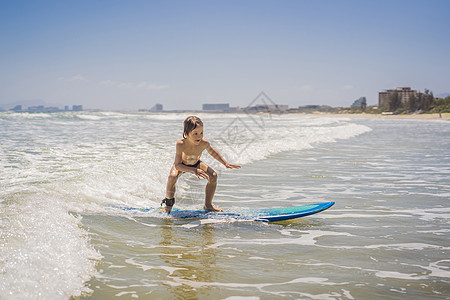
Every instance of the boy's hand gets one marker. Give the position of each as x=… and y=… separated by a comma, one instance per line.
x=201, y=174
x=230, y=166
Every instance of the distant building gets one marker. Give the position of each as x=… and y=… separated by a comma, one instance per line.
x=217, y=107
x=359, y=102
x=404, y=92
x=157, y=107
x=39, y=108
x=45, y=109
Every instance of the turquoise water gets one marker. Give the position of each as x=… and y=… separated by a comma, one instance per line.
x=64, y=174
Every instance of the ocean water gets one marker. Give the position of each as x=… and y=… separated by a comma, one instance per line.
x=65, y=176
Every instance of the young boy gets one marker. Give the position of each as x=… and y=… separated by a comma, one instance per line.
x=187, y=159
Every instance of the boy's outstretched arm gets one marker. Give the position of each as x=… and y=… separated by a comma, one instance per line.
x=214, y=153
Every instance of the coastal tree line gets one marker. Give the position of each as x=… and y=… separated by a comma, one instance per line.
x=423, y=102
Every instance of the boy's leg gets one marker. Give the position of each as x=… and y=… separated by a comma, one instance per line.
x=171, y=181
x=210, y=187
x=170, y=188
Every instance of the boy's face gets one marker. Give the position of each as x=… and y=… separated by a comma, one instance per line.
x=196, y=135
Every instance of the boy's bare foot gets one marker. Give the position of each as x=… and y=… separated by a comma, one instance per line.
x=168, y=205
x=165, y=209
x=212, y=208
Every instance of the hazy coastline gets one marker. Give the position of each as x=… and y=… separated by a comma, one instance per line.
x=442, y=116
x=434, y=116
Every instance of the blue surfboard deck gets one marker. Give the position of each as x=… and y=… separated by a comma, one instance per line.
x=265, y=214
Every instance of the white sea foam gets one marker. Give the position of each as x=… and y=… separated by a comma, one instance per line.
x=132, y=294
x=397, y=247
x=255, y=140
x=306, y=280
x=25, y=115
x=241, y=298
x=259, y=258
x=436, y=232
x=44, y=254
x=398, y=275
x=308, y=238
x=361, y=215
x=145, y=267
x=437, y=269
x=89, y=117
x=430, y=214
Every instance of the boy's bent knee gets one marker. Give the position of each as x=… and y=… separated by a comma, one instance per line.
x=213, y=177
x=173, y=177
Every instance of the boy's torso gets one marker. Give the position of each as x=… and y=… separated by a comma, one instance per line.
x=192, y=153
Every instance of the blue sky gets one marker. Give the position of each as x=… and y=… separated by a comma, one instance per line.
x=134, y=54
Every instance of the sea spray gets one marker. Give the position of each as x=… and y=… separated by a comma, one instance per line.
x=44, y=251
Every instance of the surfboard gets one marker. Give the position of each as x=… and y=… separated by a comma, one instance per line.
x=264, y=215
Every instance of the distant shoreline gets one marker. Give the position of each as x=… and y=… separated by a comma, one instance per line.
x=435, y=116
x=425, y=116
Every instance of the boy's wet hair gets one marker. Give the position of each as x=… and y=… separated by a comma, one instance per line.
x=190, y=124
